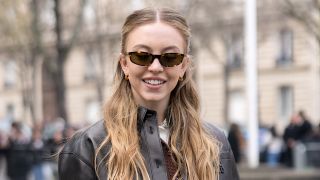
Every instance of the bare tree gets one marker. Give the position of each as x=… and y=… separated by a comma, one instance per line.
x=212, y=22
x=20, y=27
x=102, y=42
x=306, y=12
x=24, y=29
x=65, y=39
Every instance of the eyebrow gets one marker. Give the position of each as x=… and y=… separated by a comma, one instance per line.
x=138, y=46
x=171, y=48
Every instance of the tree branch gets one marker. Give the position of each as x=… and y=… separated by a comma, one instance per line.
x=77, y=28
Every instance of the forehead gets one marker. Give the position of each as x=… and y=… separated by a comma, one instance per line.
x=156, y=36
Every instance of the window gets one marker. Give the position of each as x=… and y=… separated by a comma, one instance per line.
x=285, y=104
x=92, y=111
x=286, y=48
x=10, y=111
x=10, y=74
x=235, y=52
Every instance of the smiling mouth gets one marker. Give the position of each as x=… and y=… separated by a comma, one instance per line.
x=154, y=82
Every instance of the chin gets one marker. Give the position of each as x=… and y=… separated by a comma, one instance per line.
x=154, y=98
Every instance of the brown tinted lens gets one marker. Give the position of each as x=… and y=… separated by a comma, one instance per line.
x=141, y=58
x=171, y=59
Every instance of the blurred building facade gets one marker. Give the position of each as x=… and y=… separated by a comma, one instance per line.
x=288, y=60
x=288, y=71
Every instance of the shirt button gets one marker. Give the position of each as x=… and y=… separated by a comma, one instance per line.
x=151, y=130
x=158, y=162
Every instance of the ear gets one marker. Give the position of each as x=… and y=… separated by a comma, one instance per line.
x=184, y=65
x=123, y=63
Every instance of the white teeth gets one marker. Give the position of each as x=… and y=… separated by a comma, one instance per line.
x=154, y=82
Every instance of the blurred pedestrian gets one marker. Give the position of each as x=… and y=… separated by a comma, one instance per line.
x=151, y=127
x=297, y=130
x=236, y=141
x=274, y=148
x=305, y=127
x=264, y=139
x=19, y=156
x=290, y=136
x=53, y=147
x=37, y=147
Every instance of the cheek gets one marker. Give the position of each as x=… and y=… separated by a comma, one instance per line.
x=135, y=75
x=174, y=73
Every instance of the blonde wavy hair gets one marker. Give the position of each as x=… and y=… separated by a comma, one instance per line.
x=196, y=152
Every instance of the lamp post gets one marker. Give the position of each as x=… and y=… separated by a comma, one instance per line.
x=251, y=81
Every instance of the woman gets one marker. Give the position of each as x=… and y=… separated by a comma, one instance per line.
x=151, y=127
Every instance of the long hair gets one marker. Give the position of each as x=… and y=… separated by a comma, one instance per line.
x=196, y=152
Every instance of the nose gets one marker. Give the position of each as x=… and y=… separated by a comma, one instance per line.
x=155, y=66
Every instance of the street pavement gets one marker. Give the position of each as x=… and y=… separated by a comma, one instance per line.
x=264, y=172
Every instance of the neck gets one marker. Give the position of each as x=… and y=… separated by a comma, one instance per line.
x=160, y=112
x=159, y=108
x=160, y=115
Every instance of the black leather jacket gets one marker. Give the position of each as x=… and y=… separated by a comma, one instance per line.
x=76, y=160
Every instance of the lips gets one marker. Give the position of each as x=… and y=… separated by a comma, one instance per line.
x=154, y=81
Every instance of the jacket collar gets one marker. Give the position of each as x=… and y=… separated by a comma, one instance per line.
x=143, y=113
